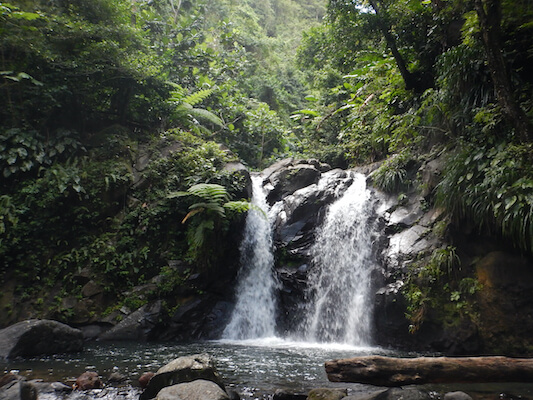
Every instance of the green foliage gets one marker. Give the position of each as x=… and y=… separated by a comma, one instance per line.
x=391, y=176
x=209, y=212
x=186, y=113
x=493, y=187
x=437, y=284
x=23, y=151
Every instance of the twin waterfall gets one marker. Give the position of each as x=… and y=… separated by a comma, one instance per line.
x=337, y=306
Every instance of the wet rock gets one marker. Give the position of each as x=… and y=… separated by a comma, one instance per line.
x=391, y=325
x=92, y=331
x=196, y=390
x=284, y=394
x=145, y=378
x=116, y=377
x=290, y=179
x=181, y=370
x=327, y=394
x=233, y=395
x=366, y=396
x=53, y=388
x=8, y=378
x=457, y=396
x=398, y=393
x=87, y=381
x=430, y=173
x=139, y=325
x=18, y=389
x=38, y=337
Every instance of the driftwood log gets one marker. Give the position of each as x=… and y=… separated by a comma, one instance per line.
x=390, y=371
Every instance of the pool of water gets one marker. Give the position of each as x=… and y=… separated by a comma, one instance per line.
x=254, y=368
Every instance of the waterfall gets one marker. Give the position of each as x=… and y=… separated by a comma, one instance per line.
x=254, y=313
x=338, y=308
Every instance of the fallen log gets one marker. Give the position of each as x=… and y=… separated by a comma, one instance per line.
x=390, y=371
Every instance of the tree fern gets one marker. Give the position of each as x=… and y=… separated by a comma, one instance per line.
x=206, y=115
x=185, y=110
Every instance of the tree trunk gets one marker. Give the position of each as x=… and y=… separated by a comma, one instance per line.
x=489, y=14
x=400, y=62
x=390, y=371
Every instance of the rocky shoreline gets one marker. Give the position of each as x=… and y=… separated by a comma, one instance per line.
x=195, y=377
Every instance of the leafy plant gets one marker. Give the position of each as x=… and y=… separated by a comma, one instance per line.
x=186, y=113
x=391, y=176
x=210, y=211
x=492, y=186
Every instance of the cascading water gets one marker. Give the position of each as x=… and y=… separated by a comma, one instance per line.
x=254, y=313
x=338, y=308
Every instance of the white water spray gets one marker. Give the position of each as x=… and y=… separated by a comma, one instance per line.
x=255, y=310
x=339, y=307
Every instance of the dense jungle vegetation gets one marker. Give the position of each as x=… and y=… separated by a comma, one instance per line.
x=116, y=114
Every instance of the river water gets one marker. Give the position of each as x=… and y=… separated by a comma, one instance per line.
x=253, y=368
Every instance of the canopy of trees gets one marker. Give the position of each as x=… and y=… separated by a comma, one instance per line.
x=87, y=86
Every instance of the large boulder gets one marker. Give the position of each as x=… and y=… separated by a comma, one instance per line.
x=182, y=370
x=39, y=337
x=138, y=326
x=196, y=390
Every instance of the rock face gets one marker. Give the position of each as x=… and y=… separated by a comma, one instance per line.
x=505, y=301
x=139, y=325
x=489, y=308
x=196, y=390
x=182, y=370
x=39, y=337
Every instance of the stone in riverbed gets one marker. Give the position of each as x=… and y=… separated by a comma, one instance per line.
x=327, y=394
x=39, y=337
x=196, y=390
x=144, y=379
x=183, y=370
x=457, y=396
x=18, y=389
x=87, y=381
x=283, y=394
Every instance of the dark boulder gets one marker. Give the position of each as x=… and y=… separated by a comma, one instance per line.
x=139, y=325
x=284, y=394
x=39, y=337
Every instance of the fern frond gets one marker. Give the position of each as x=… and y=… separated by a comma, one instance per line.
x=198, y=97
x=210, y=192
x=199, y=233
x=206, y=115
x=211, y=206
